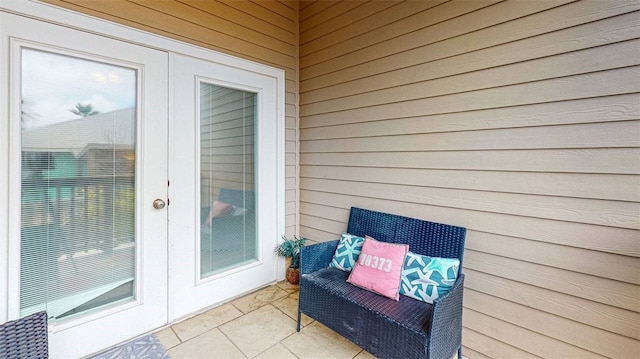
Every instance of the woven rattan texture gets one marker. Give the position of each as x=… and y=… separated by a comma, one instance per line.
x=25, y=338
x=424, y=237
x=386, y=328
x=443, y=333
x=357, y=314
x=411, y=313
x=318, y=257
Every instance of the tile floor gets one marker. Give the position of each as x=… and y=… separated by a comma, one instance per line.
x=260, y=325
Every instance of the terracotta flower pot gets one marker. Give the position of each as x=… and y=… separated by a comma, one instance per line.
x=293, y=275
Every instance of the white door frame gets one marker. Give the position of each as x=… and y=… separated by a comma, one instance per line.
x=71, y=19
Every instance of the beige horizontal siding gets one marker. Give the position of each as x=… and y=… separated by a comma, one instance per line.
x=568, y=333
x=616, y=320
x=538, y=70
x=331, y=10
x=597, y=160
x=518, y=120
x=618, y=240
x=577, y=210
x=595, y=135
x=603, y=83
x=433, y=45
x=494, y=348
x=261, y=31
x=576, y=185
x=350, y=22
x=579, y=111
x=406, y=70
x=521, y=337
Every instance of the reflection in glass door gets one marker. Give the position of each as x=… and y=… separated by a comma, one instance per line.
x=78, y=184
x=227, y=179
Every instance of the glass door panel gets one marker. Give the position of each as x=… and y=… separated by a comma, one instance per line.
x=78, y=145
x=227, y=179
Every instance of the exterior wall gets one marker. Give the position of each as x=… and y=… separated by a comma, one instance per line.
x=515, y=119
x=263, y=31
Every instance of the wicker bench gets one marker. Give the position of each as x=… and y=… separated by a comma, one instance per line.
x=407, y=328
x=25, y=338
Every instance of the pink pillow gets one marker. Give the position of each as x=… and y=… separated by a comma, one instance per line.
x=379, y=267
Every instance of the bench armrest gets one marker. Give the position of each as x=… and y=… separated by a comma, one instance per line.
x=446, y=322
x=317, y=256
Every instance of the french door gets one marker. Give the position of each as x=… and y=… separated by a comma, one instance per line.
x=143, y=185
x=225, y=186
x=86, y=142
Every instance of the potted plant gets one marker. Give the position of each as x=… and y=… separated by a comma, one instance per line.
x=290, y=248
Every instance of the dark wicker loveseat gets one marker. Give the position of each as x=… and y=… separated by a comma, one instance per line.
x=25, y=338
x=386, y=328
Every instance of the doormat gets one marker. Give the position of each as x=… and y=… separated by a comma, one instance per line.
x=145, y=347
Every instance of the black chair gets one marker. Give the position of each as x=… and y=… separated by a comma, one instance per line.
x=25, y=338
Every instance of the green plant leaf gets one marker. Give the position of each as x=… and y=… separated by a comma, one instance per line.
x=290, y=248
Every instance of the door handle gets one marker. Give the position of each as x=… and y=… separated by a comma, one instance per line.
x=159, y=204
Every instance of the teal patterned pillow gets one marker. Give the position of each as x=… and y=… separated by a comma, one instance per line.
x=427, y=278
x=347, y=253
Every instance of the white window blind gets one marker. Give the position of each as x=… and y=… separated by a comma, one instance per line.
x=78, y=183
x=227, y=178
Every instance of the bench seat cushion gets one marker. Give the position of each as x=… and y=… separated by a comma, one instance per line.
x=390, y=329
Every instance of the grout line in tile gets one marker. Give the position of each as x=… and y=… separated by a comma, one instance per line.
x=176, y=334
x=290, y=292
x=278, y=343
x=251, y=311
x=286, y=347
x=234, y=343
x=188, y=340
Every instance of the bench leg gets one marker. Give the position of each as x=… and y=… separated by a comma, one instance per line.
x=299, y=315
x=460, y=352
